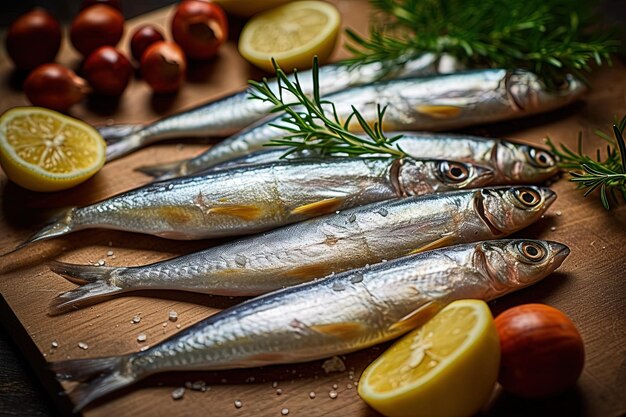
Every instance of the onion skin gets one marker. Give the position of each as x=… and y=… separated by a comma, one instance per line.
x=55, y=87
x=108, y=71
x=96, y=26
x=163, y=66
x=112, y=3
x=33, y=39
x=542, y=352
x=143, y=37
x=200, y=28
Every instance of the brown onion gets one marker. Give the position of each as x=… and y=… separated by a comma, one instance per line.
x=108, y=71
x=96, y=26
x=199, y=27
x=55, y=87
x=143, y=37
x=33, y=39
x=113, y=3
x=163, y=66
x=542, y=352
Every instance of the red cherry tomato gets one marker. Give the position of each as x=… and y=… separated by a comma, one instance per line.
x=199, y=27
x=542, y=352
x=55, y=87
x=96, y=26
x=33, y=39
x=108, y=71
x=163, y=66
x=143, y=37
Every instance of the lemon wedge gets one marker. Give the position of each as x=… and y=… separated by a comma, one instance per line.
x=43, y=150
x=446, y=368
x=292, y=34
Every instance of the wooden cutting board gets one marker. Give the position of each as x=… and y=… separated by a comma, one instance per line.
x=590, y=287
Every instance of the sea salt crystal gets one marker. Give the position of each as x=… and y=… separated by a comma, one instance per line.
x=136, y=319
x=55, y=344
x=334, y=364
x=238, y=404
x=110, y=253
x=284, y=411
x=83, y=345
x=178, y=393
x=173, y=316
x=312, y=394
x=142, y=338
x=332, y=394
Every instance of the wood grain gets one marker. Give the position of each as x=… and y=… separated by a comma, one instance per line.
x=589, y=287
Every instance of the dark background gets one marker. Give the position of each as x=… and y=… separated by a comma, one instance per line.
x=20, y=391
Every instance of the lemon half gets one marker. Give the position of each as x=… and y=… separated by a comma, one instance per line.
x=43, y=150
x=446, y=368
x=292, y=34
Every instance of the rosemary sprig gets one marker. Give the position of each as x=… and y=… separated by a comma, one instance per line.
x=313, y=123
x=608, y=174
x=548, y=37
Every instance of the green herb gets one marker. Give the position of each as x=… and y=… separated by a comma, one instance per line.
x=608, y=174
x=313, y=123
x=548, y=37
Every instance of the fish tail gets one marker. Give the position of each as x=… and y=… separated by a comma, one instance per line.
x=97, y=377
x=95, y=283
x=62, y=226
x=114, y=133
x=125, y=145
x=161, y=171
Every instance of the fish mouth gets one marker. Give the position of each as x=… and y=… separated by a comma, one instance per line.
x=479, y=207
x=560, y=251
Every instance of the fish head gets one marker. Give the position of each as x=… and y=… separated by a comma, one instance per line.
x=508, y=209
x=528, y=93
x=517, y=263
x=417, y=177
x=521, y=163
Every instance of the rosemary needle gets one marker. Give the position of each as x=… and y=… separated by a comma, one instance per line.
x=608, y=174
x=313, y=123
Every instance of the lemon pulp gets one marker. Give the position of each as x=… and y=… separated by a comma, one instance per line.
x=446, y=368
x=43, y=150
x=291, y=34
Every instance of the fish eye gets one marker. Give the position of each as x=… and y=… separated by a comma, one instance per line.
x=528, y=196
x=532, y=251
x=541, y=158
x=454, y=171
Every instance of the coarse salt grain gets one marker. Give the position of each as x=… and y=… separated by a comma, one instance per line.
x=284, y=411
x=173, y=316
x=142, y=337
x=332, y=394
x=55, y=344
x=83, y=345
x=311, y=394
x=238, y=404
x=178, y=393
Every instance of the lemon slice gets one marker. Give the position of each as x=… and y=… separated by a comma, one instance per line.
x=247, y=8
x=43, y=150
x=446, y=368
x=291, y=34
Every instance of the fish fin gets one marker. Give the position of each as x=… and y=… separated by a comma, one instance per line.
x=343, y=330
x=242, y=211
x=162, y=171
x=62, y=226
x=319, y=207
x=443, y=241
x=417, y=317
x=439, y=111
x=97, y=376
x=95, y=283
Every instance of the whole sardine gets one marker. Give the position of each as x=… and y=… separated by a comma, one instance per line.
x=256, y=198
x=424, y=103
x=232, y=113
x=329, y=244
x=513, y=163
x=333, y=316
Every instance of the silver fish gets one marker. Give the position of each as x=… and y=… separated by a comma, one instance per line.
x=232, y=113
x=424, y=103
x=513, y=163
x=252, y=199
x=334, y=316
x=321, y=246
